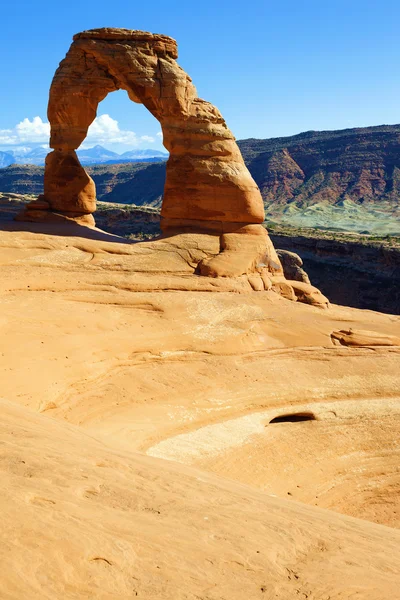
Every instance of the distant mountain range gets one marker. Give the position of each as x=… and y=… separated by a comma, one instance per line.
x=347, y=179
x=127, y=183
x=6, y=158
x=360, y=165
x=90, y=156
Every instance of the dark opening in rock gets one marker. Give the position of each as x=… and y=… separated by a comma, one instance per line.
x=294, y=418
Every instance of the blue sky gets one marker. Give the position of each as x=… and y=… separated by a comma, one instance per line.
x=273, y=68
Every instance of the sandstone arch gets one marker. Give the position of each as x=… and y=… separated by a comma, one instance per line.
x=208, y=187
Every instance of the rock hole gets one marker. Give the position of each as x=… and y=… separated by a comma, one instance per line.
x=294, y=418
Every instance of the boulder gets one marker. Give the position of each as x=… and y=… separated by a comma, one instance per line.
x=283, y=288
x=292, y=266
x=362, y=337
x=309, y=294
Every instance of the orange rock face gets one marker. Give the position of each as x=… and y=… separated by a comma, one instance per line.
x=67, y=186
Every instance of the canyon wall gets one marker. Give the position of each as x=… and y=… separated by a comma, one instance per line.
x=349, y=273
x=359, y=165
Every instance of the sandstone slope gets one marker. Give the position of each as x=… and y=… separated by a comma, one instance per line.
x=83, y=520
x=111, y=351
x=126, y=342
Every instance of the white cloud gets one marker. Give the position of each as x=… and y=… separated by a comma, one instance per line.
x=32, y=131
x=104, y=131
x=147, y=138
x=159, y=134
x=6, y=137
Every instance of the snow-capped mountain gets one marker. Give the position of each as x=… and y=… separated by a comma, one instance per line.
x=89, y=156
x=23, y=156
x=33, y=153
x=148, y=153
x=96, y=155
x=6, y=159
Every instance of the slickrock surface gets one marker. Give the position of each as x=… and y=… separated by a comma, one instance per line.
x=81, y=519
x=355, y=337
x=111, y=351
x=122, y=349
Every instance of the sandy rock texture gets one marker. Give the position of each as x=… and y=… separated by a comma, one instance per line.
x=170, y=435
x=83, y=520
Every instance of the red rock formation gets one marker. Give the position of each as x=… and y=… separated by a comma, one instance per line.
x=206, y=176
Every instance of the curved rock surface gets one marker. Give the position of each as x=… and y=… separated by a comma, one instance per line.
x=81, y=519
x=357, y=337
x=122, y=356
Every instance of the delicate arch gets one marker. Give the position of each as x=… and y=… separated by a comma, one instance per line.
x=208, y=187
x=207, y=180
